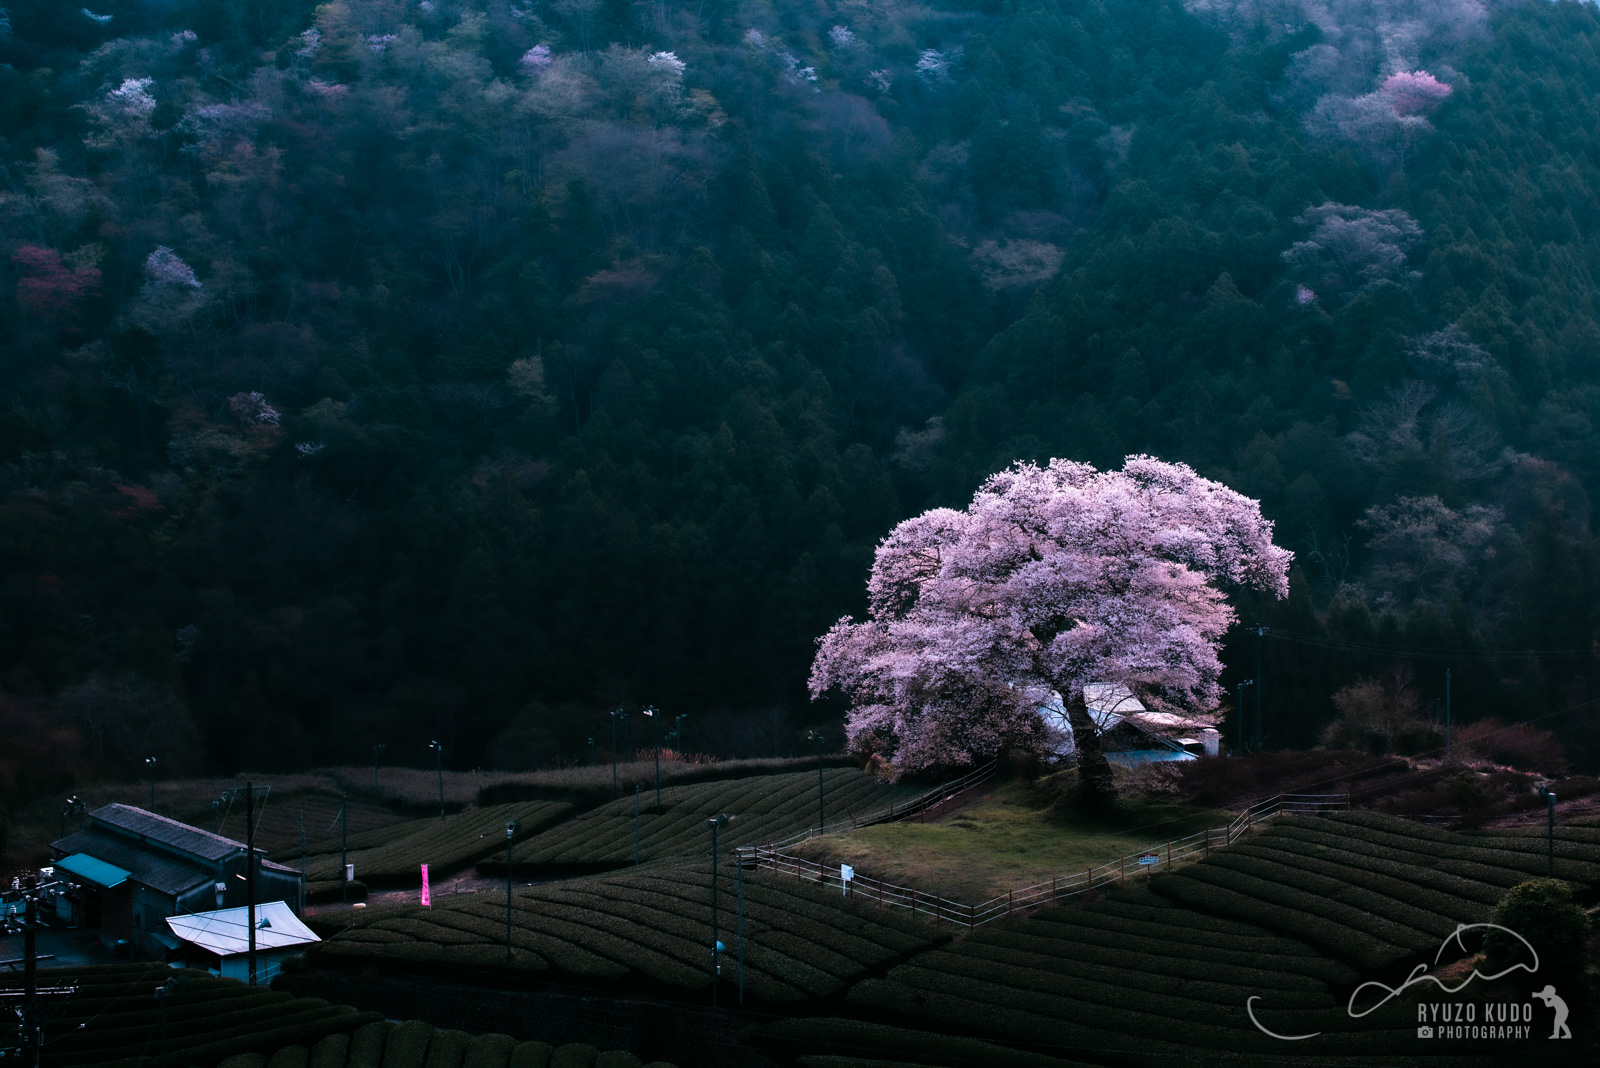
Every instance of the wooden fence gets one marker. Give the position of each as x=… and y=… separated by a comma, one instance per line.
x=943, y=910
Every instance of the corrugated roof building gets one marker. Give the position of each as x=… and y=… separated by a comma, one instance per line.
x=132, y=869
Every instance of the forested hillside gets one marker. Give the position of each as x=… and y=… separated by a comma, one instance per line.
x=380, y=371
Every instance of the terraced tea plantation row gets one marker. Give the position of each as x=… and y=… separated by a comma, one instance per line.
x=112, y=1020
x=763, y=808
x=1296, y=914
x=647, y=929
x=386, y=1044
x=393, y=856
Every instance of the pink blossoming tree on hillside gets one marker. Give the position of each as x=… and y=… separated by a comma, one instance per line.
x=1052, y=578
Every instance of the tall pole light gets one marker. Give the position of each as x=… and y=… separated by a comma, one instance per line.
x=162, y=993
x=739, y=875
x=344, y=849
x=439, y=750
x=591, y=752
x=815, y=737
x=1242, y=685
x=375, y=751
x=716, y=930
x=615, y=712
x=1447, y=713
x=655, y=743
x=72, y=807
x=636, y=825
x=150, y=763
x=511, y=833
x=677, y=730
x=300, y=899
x=1550, y=828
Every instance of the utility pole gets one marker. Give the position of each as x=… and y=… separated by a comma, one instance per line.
x=635, y=825
x=150, y=763
x=302, y=895
x=250, y=870
x=1260, y=631
x=739, y=876
x=162, y=993
x=677, y=732
x=30, y=972
x=591, y=752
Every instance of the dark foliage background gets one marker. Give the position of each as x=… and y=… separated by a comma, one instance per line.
x=372, y=373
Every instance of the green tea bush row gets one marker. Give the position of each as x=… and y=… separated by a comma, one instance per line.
x=1304, y=969
x=1092, y=923
x=1314, y=842
x=1465, y=899
x=1198, y=980
x=418, y=1045
x=1432, y=914
x=1275, y=885
x=1330, y=935
x=840, y=1037
x=1460, y=847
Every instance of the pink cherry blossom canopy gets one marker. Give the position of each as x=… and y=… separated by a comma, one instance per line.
x=1051, y=578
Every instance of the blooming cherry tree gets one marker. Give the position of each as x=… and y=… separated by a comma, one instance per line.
x=1052, y=578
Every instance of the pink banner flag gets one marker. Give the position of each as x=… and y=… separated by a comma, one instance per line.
x=425, y=902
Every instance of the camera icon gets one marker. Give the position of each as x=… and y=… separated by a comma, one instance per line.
x=1424, y=1032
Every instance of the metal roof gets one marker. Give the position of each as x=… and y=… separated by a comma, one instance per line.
x=94, y=870
x=168, y=832
x=226, y=932
x=159, y=871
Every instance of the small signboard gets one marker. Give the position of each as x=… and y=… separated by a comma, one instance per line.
x=846, y=873
x=1149, y=859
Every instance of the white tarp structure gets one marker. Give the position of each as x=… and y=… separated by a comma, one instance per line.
x=1112, y=703
x=226, y=935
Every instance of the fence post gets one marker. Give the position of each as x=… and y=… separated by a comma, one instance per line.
x=1054, y=897
x=938, y=918
x=1122, y=870
x=1169, y=856
x=1008, y=902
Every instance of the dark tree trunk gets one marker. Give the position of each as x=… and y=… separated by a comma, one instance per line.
x=1094, y=773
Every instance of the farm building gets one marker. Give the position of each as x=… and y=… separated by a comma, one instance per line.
x=219, y=941
x=1133, y=733
x=131, y=869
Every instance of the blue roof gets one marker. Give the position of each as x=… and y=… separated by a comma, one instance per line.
x=95, y=871
x=1134, y=757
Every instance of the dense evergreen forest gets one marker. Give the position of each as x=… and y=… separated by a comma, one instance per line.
x=382, y=370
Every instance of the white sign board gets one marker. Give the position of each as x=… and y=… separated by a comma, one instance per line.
x=846, y=873
x=1149, y=859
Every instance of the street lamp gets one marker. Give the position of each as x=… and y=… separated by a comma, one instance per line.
x=1550, y=825
x=511, y=832
x=716, y=931
x=815, y=737
x=375, y=751
x=1242, y=685
x=150, y=762
x=591, y=752
x=655, y=742
x=434, y=745
x=677, y=731
x=615, y=712
x=72, y=807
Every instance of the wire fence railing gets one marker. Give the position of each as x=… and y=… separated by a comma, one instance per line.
x=921, y=805
x=943, y=910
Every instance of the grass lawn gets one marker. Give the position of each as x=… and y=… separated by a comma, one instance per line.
x=1003, y=842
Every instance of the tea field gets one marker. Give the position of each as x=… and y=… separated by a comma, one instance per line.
x=764, y=807
x=647, y=930
x=392, y=856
